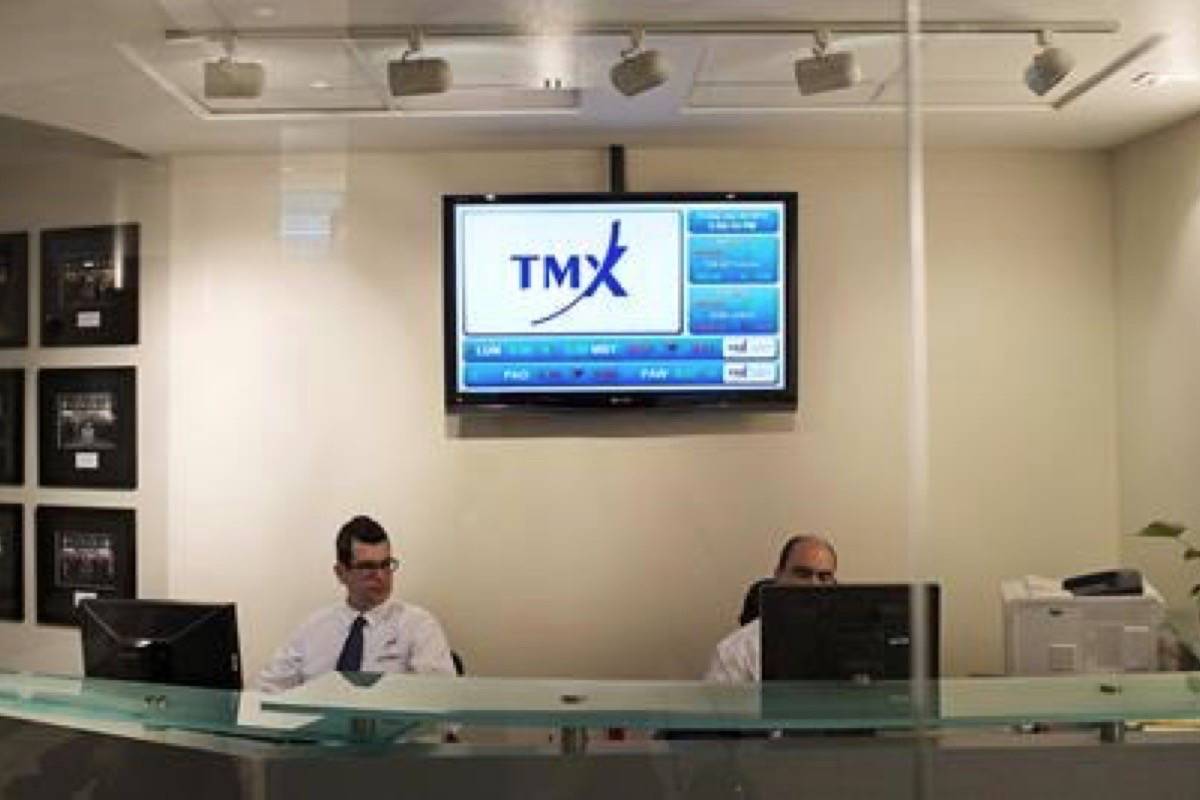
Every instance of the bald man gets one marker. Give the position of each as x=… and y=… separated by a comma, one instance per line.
x=803, y=561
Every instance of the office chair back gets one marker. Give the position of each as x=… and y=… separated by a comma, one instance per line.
x=750, y=604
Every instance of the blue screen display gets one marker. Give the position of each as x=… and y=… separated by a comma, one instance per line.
x=632, y=295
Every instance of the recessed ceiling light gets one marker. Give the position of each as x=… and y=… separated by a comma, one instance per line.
x=264, y=12
x=320, y=86
x=1150, y=80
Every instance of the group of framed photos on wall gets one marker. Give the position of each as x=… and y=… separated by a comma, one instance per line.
x=86, y=418
x=82, y=553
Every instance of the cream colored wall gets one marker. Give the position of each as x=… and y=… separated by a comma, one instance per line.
x=1158, y=231
x=293, y=382
x=1022, y=375
x=56, y=192
x=305, y=385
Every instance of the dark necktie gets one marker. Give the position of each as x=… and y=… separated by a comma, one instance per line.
x=351, y=658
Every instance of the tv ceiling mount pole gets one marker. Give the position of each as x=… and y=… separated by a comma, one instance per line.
x=616, y=168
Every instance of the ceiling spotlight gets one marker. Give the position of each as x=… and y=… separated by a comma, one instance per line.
x=1048, y=67
x=415, y=76
x=227, y=79
x=825, y=71
x=638, y=70
x=1150, y=80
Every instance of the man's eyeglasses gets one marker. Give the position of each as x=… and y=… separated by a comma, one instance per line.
x=387, y=565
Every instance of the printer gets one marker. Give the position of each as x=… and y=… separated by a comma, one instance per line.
x=1105, y=622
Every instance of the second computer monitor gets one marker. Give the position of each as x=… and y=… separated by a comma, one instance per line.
x=853, y=632
x=159, y=641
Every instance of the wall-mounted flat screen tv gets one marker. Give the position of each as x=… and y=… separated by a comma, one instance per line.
x=620, y=300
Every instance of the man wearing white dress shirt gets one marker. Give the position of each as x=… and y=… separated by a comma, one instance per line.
x=367, y=632
x=804, y=561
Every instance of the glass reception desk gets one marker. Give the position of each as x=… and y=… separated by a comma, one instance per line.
x=1084, y=736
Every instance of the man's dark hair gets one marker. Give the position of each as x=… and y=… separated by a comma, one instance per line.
x=360, y=529
x=793, y=542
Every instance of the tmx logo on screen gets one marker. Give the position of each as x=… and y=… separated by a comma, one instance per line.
x=571, y=271
x=542, y=271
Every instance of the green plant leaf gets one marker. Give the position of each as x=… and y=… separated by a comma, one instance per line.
x=1191, y=554
x=1162, y=530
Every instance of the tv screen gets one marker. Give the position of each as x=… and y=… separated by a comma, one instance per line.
x=619, y=300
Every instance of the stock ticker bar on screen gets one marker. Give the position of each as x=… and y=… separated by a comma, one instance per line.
x=633, y=362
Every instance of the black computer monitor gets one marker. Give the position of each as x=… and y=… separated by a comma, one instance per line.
x=846, y=632
x=160, y=641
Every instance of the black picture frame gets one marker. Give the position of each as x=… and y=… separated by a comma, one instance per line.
x=14, y=289
x=12, y=427
x=12, y=562
x=87, y=427
x=83, y=553
x=90, y=285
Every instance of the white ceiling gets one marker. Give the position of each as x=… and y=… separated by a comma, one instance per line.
x=104, y=68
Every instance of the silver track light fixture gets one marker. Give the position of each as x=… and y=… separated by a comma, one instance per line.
x=826, y=71
x=409, y=76
x=639, y=70
x=229, y=79
x=1049, y=66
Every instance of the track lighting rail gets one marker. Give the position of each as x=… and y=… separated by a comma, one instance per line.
x=727, y=28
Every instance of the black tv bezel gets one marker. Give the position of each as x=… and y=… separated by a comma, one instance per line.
x=776, y=400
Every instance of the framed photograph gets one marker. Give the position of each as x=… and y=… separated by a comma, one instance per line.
x=82, y=554
x=87, y=427
x=12, y=562
x=90, y=285
x=14, y=289
x=12, y=427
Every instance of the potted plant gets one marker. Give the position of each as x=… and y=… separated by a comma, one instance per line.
x=1171, y=530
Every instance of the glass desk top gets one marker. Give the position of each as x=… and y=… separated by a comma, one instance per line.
x=327, y=709
x=127, y=707
x=961, y=702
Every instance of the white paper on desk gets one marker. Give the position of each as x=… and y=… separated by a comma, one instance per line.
x=251, y=714
x=1040, y=586
x=27, y=686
